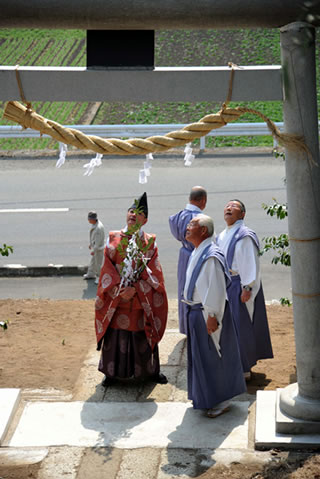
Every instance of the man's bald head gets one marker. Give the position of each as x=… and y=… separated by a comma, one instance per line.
x=198, y=197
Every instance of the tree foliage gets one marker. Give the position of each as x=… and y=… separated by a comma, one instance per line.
x=5, y=250
x=279, y=244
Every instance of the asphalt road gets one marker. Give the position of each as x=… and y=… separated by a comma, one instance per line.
x=29, y=187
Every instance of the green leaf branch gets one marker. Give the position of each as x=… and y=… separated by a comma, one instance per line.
x=5, y=250
x=4, y=324
x=133, y=250
x=278, y=244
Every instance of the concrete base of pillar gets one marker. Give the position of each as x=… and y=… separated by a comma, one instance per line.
x=297, y=406
x=266, y=434
x=286, y=424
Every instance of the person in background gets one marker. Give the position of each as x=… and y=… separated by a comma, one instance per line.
x=214, y=365
x=178, y=226
x=96, y=246
x=241, y=248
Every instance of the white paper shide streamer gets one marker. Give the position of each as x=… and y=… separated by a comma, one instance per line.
x=89, y=167
x=147, y=165
x=142, y=177
x=129, y=273
x=63, y=148
x=189, y=157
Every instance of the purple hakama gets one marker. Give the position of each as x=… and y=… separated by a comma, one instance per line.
x=212, y=377
x=253, y=335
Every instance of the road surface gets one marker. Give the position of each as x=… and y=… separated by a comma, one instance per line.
x=43, y=209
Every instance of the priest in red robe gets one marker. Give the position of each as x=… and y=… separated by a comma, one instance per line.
x=131, y=306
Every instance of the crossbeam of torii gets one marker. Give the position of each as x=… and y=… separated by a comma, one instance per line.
x=294, y=82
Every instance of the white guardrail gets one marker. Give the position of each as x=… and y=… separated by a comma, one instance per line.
x=144, y=131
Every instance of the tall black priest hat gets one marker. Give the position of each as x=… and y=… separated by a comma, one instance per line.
x=142, y=204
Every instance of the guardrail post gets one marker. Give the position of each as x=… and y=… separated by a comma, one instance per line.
x=202, y=143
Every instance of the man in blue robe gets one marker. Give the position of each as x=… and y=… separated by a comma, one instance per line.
x=178, y=226
x=241, y=249
x=214, y=365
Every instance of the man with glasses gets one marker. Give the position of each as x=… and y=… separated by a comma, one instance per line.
x=241, y=248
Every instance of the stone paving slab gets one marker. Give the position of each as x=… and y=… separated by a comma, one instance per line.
x=129, y=425
x=62, y=463
x=9, y=401
x=145, y=463
x=172, y=352
x=102, y=463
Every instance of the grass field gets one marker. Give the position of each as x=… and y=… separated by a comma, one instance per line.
x=173, y=48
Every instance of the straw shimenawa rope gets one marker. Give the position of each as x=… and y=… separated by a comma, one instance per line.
x=28, y=118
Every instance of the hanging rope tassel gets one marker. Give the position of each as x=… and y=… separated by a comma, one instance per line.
x=23, y=98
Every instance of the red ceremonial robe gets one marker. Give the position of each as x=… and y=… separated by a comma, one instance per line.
x=112, y=311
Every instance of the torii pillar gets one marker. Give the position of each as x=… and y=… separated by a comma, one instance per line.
x=301, y=401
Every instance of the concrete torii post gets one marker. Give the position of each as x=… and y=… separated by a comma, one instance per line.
x=301, y=400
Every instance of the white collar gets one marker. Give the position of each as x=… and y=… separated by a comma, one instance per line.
x=191, y=207
x=235, y=225
x=125, y=229
x=202, y=246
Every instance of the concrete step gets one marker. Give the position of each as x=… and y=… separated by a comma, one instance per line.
x=129, y=425
x=9, y=402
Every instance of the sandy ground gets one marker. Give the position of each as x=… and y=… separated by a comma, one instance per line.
x=47, y=341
